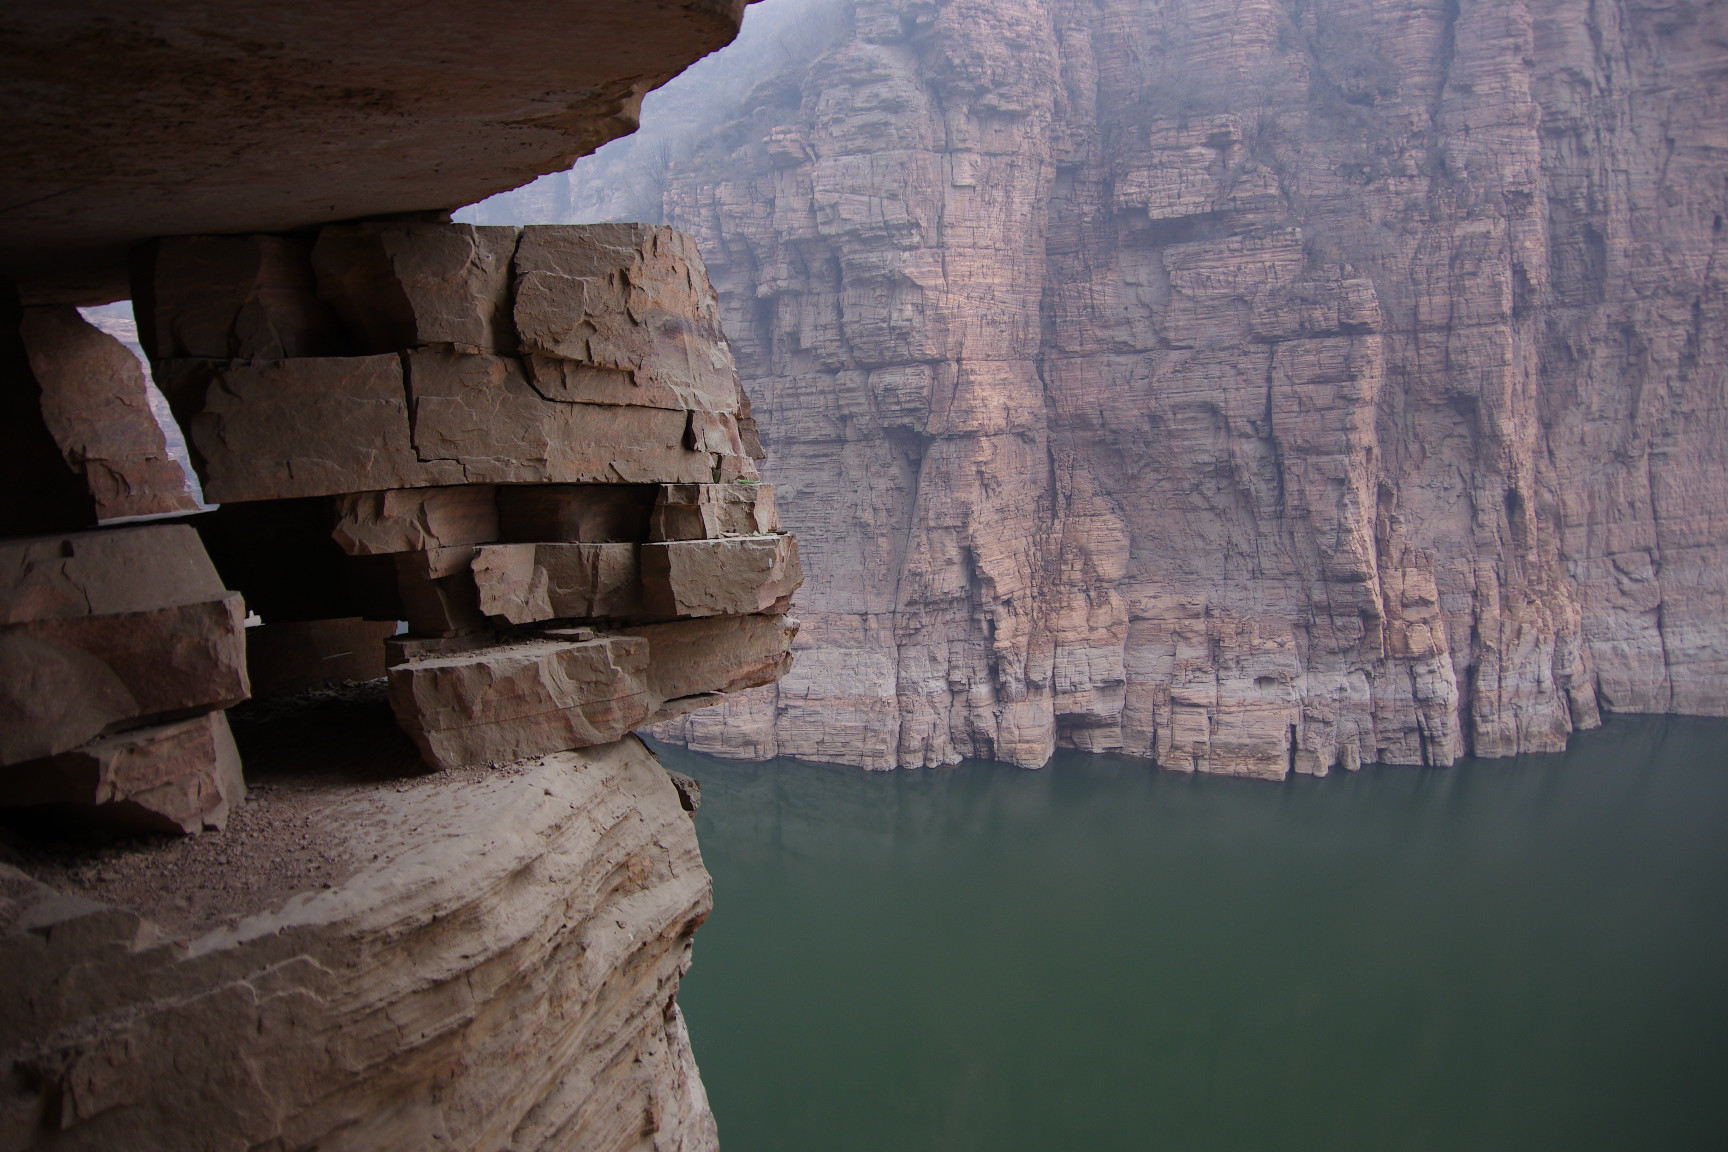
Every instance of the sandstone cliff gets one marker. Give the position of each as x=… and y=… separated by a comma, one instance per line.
x=1261, y=386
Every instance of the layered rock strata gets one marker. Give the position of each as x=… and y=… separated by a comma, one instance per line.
x=492, y=964
x=120, y=648
x=537, y=431
x=1258, y=387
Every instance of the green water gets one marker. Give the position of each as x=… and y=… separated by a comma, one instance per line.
x=1521, y=954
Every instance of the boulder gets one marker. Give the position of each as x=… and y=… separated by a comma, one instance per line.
x=710, y=511
x=96, y=405
x=513, y=701
x=621, y=314
x=177, y=777
x=406, y=284
x=231, y=298
x=594, y=513
x=728, y=577
x=529, y=582
x=415, y=519
x=282, y=659
x=479, y=416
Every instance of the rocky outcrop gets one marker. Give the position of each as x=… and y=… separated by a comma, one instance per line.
x=491, y=962
x=122, y=124
x=1258, y=387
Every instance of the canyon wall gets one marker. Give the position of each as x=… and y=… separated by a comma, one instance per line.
x=1256, y=385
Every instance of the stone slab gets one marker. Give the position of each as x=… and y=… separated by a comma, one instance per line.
x=593, y=513
x=68, y=679
x=231, y=298
x=711, y=511
x=734, y=576
x=480, y=416
x=178, y=777
x=406, y=284
x=319, y=426
x=415, y=519
x=285, y=658
x=621, y=314
x=104, y=571
x=96, y=406
x=718, y=654
x=525, y=583
x=502, y=704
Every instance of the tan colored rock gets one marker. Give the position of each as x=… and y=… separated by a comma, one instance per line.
x=232, y=298
x=710, y=511
x=285, y=658
x=494, y=965
x=94, y=402
x=529, y=582
x=437, y=591
x=501, y=704
x=70, y=679
x=479, y=416
x=178, y=777
x=103, y=572
x=401, y=649
x=621, y=314
x=415, y=519
x=729, y=577
x=402, y=285
x=1136, y=401
x=319, y=426
x=720, y=654
x=593, y=513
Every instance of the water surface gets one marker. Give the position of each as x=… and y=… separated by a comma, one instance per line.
x=1517, y=954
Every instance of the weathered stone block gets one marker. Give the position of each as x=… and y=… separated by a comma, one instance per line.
x=621, y=314
x=480, y=416
x=312, y=427
x=95, y=404
x=710, y=511
x=720, y=654
x=730, y=577
x=232, y=298
x=103, y=572
x=177, y=777
x=282, y=659
x=519, y=700
x=70, y=678
x=593, y=513
x=528, y=582
x=406, y=285
x=415, y=519
x=438, y=593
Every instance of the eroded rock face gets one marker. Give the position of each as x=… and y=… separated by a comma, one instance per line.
x=1259, y=387
x=494, y=966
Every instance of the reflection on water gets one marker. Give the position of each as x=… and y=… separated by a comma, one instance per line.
x=1514, y=954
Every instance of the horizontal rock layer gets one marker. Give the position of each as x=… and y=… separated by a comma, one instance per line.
x=1257, y=387
x=494, y=966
